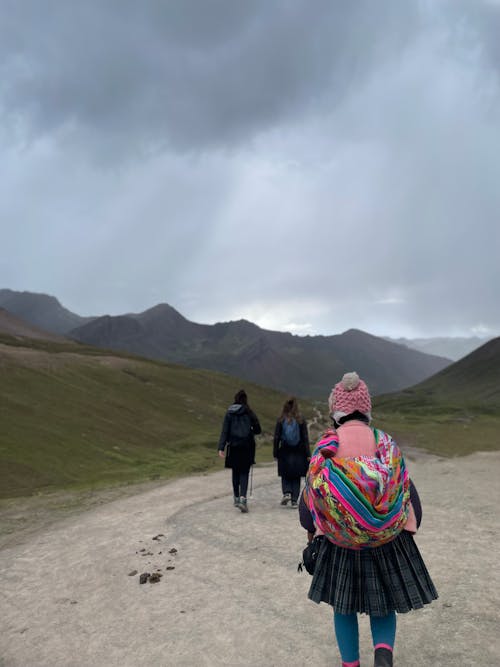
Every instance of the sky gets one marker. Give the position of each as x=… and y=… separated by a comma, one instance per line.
x=308, y=166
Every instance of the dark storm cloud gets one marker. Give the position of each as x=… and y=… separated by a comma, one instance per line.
x=310, y=166
x=188, y=74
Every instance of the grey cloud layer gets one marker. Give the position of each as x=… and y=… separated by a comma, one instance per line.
x=324, y=164
x=202, y=74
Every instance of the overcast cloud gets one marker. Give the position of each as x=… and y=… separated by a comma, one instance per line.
x=310, y=166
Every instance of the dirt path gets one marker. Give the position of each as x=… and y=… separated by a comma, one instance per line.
x=234, y=596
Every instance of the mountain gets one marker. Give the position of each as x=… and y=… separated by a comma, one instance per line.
x=41, y=310
x=454, y=412
x=451, y=347
x=79, y=417
x=470, y=383
x=15, y=326
x=307, y=366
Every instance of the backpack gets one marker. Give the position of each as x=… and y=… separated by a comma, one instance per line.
x=290, y=433
x=240, y=428
x=358, y=502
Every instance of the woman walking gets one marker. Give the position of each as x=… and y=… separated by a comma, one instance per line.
x=291, y=449
x=358, y=499
x=237, y=446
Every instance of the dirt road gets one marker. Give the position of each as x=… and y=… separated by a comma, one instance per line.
x=233, y=595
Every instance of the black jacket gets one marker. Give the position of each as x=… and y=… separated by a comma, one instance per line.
x=292, y=461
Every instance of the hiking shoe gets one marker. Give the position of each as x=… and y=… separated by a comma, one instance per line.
x=236, y=501
x=243, y=505
x=286, y=498
x=383, y=657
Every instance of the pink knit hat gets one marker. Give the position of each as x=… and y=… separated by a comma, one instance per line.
x=349, y=395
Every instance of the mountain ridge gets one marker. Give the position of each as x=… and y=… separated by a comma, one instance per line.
x=303, y=365
x=451, y=347
x=15, y=326
x=456, y=411
x=472, y=382
x=306, y=366
x=41, y=310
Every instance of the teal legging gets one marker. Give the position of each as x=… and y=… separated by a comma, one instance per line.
x=346, y=630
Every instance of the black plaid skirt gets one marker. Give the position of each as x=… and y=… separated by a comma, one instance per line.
x=375, y=581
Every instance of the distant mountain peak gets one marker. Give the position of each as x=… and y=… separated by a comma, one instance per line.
x=243, y=323
x=452, y=347
x=356, y=332
x=162, y=315
x=41, y=310
x=241, y=326
x=30, y=296
x=162, y=307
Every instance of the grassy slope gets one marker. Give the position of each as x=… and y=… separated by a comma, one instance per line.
x=77, y=417
x=455, y=412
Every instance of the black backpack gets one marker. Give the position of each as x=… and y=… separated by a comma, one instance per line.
x=240, y=428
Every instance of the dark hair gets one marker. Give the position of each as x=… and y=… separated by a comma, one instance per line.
x=357, y=415
x=241, y=397
x=291, y=410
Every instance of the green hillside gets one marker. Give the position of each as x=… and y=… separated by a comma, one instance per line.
x=76, y=417
x=457, y=411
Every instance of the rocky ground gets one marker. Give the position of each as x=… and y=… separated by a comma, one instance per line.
x=223, y=587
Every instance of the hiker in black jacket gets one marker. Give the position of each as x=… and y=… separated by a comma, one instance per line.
x=237, y=439
x=291, y=449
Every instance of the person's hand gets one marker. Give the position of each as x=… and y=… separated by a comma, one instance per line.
x=221, y=453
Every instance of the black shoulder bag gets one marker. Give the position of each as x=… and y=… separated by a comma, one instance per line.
x=310, y=555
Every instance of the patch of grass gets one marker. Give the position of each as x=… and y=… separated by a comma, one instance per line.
x=76, y=418
x=439, y=423
x=444, y=434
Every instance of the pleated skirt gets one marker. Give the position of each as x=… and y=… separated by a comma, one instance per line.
x=375, y=581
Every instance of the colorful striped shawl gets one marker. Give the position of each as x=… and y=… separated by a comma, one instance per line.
x=358, y=502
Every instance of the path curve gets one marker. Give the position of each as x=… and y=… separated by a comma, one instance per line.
x=234, y=596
